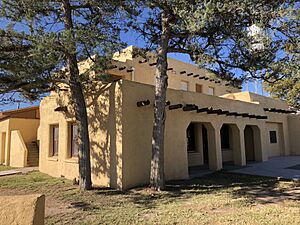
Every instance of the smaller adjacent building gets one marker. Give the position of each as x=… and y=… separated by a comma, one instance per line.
x=18, y=137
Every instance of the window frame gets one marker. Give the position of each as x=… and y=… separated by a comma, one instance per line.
x=187, y=85
x=213, y=91
x=72, y=142
x=200, y=86
x=273, y=137
x=54, y=144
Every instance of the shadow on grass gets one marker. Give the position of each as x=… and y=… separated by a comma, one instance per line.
x=254, y=189
x=251, y=189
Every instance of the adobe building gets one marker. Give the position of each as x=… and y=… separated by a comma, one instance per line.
x=209, y=123
x=18, y=137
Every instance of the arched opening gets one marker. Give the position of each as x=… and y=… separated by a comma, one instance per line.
x=231, y=145
x=253, y=146
x=249, y=144
x=227, y=144
x=197, y=145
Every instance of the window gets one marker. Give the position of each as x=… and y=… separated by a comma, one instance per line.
x=184, y=85
x=54, y=140
x=199, y=88
x=211, y=91
x=273, y=137
x=74, y=141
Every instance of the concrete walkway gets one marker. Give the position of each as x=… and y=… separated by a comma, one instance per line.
x=18, y=171
x=287, y=167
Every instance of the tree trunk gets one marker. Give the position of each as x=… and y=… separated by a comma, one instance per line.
x=157, y=179
x=85, y=181
x=80, y=106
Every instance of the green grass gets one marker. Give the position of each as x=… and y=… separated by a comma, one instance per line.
x=215, y=199
x=3, y=168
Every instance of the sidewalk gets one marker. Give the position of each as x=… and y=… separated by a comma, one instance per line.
x=18, y=171
x=287, y=167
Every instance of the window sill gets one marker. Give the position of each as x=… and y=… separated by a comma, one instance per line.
x=53, y=159
x=71, y=160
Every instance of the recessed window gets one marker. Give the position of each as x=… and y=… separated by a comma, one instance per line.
x=74, y=148
x=273, y=137
x=198, y=88
x=211, y=91
x=184, y=85
x=54, y=129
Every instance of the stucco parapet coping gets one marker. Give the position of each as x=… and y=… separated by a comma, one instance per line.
x=52, y=159
x=71, y=160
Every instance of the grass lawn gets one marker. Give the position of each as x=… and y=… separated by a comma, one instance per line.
x=3, y=168
x=219, y=198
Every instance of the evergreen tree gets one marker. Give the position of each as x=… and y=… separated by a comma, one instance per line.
x=43, y=37
x=227, y=37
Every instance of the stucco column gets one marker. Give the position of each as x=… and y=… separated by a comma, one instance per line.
x=285, y=138
x=239, y=154
x=214, y=146
x=2, y=148
x=7, y=148
x=260, y=135
x=199, y=142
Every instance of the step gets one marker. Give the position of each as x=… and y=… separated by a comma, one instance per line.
x=32, y=160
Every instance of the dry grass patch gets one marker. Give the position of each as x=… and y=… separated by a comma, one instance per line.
x=3, y=168
x=215, y=199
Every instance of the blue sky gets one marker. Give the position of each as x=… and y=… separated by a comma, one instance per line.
x=131, y=38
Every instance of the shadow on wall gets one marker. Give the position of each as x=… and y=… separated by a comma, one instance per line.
x=106, y=131
x=103, y=104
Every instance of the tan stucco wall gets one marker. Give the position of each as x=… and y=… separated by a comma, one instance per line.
x=138, y=126
x=18, y=154
x=120, y=134
x=274, y=149
x=144, y=73
x=14, y=154
x=4, y=139
x=22, y=209
x=265, y=102
x=294, y=133
x=105, y=120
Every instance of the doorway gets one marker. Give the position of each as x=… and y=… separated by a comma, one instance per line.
x=249, y=144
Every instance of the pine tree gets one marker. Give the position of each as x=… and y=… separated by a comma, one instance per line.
x=43, y=37
x=227, y=37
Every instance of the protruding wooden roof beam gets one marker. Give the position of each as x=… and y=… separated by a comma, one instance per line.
x=176, y=106
x=143, y=103
x=190, y=107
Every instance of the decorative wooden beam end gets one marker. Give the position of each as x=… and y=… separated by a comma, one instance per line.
x=189, y=107
x=143, y=103
x=177, y=106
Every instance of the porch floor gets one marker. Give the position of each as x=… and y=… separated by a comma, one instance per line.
x=286, y=167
